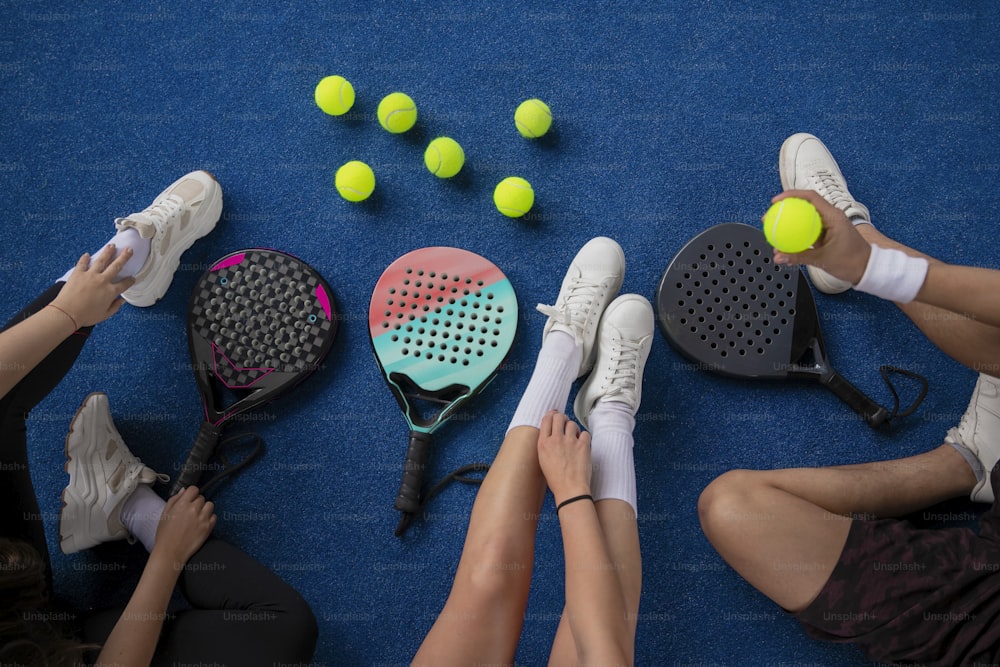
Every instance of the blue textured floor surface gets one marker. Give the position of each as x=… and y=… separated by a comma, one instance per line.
x=668, y=119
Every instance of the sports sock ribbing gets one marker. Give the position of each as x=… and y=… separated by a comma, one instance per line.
x=548, y=389
x=611, y=426
x=127, y=238
x=141, y=515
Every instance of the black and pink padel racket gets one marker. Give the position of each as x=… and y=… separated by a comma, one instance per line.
x=259, y=323
x=442, y=321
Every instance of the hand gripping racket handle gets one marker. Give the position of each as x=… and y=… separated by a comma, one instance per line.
x=204, y=446
x=873, y=413
x=408, y=498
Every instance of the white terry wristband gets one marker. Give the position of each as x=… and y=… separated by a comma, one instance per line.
x=893, y=275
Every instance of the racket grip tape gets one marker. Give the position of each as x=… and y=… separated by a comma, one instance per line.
x=408, y=498
x=874, y=414
x=201, y=451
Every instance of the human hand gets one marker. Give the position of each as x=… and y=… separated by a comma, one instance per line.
x=185, y=524
x=564, y=456
x=840, y=250
x=92, y=293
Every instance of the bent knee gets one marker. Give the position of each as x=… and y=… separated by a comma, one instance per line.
x=298, y=630
x=729, y=495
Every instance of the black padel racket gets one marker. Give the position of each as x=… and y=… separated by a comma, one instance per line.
x=442, y=321
x=724, y=304
x=259, y=322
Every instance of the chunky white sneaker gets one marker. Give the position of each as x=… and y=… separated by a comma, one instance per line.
x=102, y=475
x=805, y=163
x=592, y=281
x=979, y=431
x=179, y=216
x=624, y=338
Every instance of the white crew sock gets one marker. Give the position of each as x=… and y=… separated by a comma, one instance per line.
x=141, y=515
x=611, y=424
x=548, y=389
x=127, y=238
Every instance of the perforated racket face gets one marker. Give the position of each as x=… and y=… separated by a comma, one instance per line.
x=726, y=305
x=260, y=317
x=441, y=317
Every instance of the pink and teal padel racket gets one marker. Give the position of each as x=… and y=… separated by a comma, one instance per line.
x=442, y=321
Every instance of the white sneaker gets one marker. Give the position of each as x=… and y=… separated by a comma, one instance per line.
x=979, y=431
x=102, y=475
x=592, y=281
x=805, y=163
x=625, y=336
x=179, y=216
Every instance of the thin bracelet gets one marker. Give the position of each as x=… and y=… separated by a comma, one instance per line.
x=573, y=500
x=75, y=325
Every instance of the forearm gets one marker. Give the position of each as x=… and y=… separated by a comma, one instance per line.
x=595, y=605
x=133, y=640
x=26, y=344
x=964, y=290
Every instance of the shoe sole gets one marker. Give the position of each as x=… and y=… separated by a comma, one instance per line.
x=80, y=475
x=170, y=262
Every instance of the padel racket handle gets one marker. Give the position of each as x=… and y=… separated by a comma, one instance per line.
x=408, y=498
x=873, y=413
x=204, y=446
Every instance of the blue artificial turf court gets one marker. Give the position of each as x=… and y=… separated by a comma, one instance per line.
x=668, y=119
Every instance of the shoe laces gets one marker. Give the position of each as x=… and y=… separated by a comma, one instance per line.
x=576, y=306
x=622, y=368
x=160, y=213
x=832, y=190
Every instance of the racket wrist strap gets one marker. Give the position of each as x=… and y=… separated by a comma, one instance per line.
x=892, y=274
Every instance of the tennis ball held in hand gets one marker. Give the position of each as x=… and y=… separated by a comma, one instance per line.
x=513, y=196
x=792, y=225
x=355, y=181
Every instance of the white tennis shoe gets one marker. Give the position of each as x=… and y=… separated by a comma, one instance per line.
x=805, y=163
x=103, y=473
x=183, y=213
x=979, y=431
x=625, y=336
x=594, y=277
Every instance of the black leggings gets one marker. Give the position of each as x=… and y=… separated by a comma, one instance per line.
x=242, y=614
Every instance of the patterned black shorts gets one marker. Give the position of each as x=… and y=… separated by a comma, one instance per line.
x=913, y=595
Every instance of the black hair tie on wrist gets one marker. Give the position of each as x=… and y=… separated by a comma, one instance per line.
x=573, y=500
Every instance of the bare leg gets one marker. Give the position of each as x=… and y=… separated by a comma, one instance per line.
x=481, y=621
x=621, y=536
x=784, y=530
x=968, y=342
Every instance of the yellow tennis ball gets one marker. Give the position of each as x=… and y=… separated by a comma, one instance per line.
x=513, y=196
x=355, y=181
x=444, y=157
x=334, y=95
x=792, y=225
x=397, y=112
x=533, y=118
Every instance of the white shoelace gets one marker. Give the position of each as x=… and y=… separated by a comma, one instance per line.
x=832, y=189
x=162, y=212
x=624, y=361
x=575, y=310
